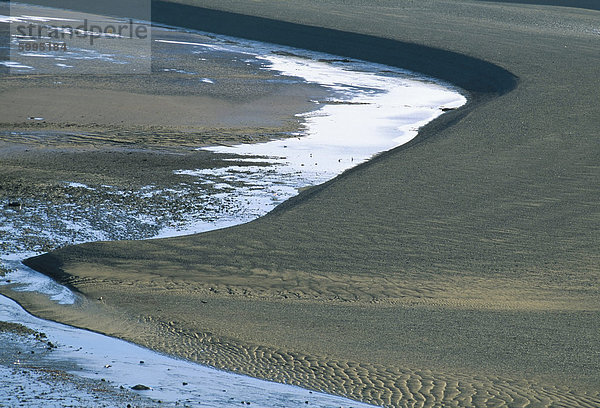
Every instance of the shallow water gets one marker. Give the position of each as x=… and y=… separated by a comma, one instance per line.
x=370, y=109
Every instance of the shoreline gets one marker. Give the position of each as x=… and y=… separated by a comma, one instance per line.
x=320, y=206
x=370, y=79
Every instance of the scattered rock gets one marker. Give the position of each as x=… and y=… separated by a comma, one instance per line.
x=15, y=204
x=140, y=387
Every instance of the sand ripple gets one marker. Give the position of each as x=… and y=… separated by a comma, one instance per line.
x=371, y=383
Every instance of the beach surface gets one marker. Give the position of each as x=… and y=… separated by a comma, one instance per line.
x=460, y=269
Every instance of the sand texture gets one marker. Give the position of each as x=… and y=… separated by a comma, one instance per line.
x=458, y=270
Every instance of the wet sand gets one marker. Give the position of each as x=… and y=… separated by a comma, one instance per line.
x=457, y=270
x=32, y=377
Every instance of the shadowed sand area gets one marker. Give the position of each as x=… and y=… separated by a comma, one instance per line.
x=460, y=269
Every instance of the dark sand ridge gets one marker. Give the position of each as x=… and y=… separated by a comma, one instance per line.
x=461, y=268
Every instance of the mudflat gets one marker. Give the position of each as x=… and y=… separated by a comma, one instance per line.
x=458, y=270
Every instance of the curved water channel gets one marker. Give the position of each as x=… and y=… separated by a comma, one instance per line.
x=369, y=109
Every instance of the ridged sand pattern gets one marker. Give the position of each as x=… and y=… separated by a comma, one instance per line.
x=370, y=383
x=491, y=323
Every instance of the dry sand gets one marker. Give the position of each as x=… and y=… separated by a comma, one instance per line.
x=458, y=270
